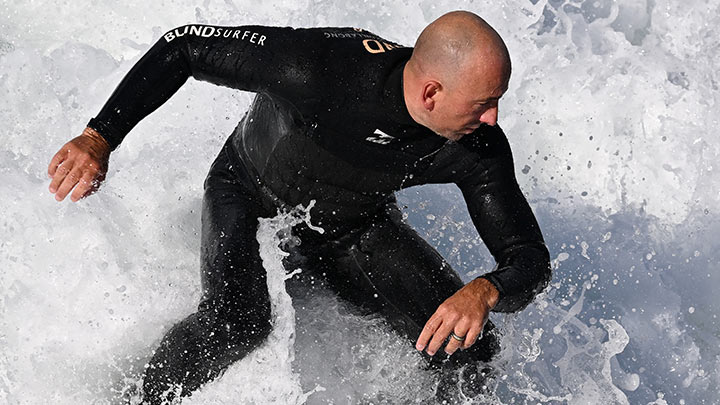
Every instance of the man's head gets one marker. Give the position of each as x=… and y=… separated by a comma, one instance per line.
x=459, y=69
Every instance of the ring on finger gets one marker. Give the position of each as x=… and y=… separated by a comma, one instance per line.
x=456, y=337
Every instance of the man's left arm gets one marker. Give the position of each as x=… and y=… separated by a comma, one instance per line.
x=509, y=229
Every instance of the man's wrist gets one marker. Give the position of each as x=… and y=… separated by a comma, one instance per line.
x=489, y=293
x=89, y=132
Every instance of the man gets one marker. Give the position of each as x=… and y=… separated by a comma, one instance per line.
x=345, y=118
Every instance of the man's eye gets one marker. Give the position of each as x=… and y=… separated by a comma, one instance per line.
x=484, y=104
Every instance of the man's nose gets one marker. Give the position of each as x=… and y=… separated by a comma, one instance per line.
x=490, y=116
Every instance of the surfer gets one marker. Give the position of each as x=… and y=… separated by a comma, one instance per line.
x=345, y=118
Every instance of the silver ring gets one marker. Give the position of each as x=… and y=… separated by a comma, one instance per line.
x=456, y=337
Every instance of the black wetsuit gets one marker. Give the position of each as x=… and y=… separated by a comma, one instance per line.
x=329, y=123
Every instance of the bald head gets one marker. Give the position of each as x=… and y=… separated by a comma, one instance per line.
x=458, y=44
x=457, y=73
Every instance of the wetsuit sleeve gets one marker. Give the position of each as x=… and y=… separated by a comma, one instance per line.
x=279, y=61
x=505, y=222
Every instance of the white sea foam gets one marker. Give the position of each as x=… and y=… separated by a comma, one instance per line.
x=611, y=113
x=266, y=375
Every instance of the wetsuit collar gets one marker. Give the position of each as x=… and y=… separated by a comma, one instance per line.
x=394, y=98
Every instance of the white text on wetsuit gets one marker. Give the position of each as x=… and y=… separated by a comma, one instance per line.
x=208, y=31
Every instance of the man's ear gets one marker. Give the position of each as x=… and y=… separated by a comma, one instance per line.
x=429, y=94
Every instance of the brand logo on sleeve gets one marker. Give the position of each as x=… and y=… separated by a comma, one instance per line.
x=207, y=31
x=380, y=137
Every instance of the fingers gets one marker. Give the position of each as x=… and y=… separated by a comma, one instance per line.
x=454, y=343
x=472, y=336
x=439, y=337
x=438, y=330
x=59, y=174
x=466, y=334
x=84, y=187
x=428, y=331
x=475, y=332
x=56, y=161
x=68, y=183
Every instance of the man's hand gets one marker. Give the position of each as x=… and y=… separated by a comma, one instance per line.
x=464, y=314
x=82, y=162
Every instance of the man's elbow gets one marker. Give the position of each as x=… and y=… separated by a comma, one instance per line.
x=524, y=275
x=539, y=266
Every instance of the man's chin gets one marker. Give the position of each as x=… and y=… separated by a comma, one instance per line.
x=453, y=136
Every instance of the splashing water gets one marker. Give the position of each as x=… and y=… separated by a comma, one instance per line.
x=247, y=381
x=609, y=112
x=268, y=374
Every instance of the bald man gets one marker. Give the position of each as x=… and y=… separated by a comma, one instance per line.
x=344, y=118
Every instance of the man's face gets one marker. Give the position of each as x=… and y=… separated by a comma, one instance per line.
x=473, y=100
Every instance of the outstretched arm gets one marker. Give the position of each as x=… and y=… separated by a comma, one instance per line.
x=253, y=58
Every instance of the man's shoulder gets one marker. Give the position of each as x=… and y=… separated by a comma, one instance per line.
x=372, y=42
x=347, y=41
x=487, y=142
x=351, y=67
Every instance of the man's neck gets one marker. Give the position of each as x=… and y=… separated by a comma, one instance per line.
x=408, y=81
